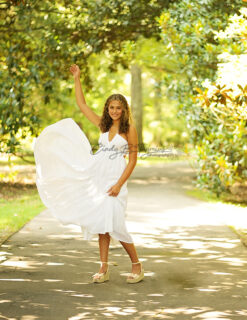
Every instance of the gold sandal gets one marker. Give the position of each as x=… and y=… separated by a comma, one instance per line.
x=136, y=277
x=101, y=277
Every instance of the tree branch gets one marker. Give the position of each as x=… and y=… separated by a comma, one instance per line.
x=22, y=157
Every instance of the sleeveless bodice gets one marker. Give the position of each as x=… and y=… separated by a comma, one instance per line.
x=117, y=147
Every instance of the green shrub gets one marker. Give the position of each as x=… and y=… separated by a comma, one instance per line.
x=222, y=148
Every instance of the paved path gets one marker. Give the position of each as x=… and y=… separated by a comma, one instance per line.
x=195, y=266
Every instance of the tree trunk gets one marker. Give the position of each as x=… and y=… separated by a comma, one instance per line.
x=158, y=111
x=136, y=101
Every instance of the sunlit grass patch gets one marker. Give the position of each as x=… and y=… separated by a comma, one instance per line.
x=209, y=196
x=18, y=205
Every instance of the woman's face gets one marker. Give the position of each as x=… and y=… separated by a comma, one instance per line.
x=115, y=109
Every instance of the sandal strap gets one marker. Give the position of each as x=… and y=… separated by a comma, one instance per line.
x=98, y=274
x=134, y=275
x=136, y=262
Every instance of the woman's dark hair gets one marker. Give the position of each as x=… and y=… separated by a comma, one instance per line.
x=126, y=117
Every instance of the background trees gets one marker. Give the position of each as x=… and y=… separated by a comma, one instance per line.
x=40, y=40
x=172, y=51
x=205, y=40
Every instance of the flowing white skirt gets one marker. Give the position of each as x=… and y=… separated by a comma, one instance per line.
x=72, y=181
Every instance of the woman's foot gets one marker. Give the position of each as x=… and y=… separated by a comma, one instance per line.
x=103, y=273
x=137, y=273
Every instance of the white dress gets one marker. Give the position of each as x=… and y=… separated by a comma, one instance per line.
x=72, y=181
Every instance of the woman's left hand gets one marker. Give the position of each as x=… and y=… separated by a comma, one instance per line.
x=114, y=190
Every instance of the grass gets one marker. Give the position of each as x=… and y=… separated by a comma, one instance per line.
x=203, y=195
x=17, y=160
x=208, y=196
x=19, y=203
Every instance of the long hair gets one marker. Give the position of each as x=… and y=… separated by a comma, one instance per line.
x=126, y=116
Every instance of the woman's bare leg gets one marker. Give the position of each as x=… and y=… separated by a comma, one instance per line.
x=131, y=250
x=104, y=242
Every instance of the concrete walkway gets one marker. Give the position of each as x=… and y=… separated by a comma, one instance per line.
x=195, y=266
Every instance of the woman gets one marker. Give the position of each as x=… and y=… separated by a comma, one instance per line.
x=89, y=189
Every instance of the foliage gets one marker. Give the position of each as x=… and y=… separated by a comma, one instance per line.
x=222, y=148
x=188, y=31
x=201, y=38
x=161, y=125
x=39, y=40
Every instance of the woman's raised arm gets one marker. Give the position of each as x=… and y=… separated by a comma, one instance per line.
x=80, y=99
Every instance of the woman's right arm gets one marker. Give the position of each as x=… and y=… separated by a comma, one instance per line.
x=80, y=99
